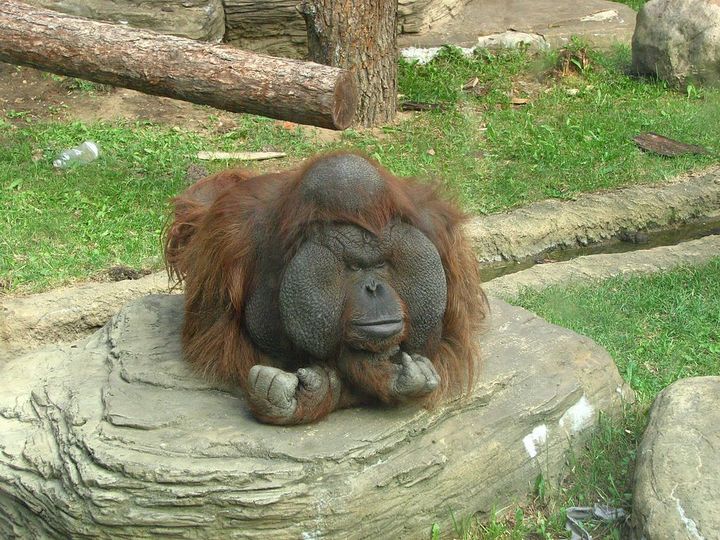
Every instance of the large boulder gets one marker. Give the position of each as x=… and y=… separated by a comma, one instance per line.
x=677, y=489
x=114, y=437
x=194, y=19
x=678, y=40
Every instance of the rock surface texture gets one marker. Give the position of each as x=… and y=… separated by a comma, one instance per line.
x=679, y=41
x=115, y=438
x=676, y=476
x=68, y=313
x=276, y=26
x=194, y=19
x=539, y=23
x=415, y=16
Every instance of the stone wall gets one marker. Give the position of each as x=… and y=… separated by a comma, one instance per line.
x=417, y=16
x=194, y=19
x=276, y=26
x=270, y=26
x=273, y=26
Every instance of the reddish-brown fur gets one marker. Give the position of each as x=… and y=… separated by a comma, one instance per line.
x=210, y=247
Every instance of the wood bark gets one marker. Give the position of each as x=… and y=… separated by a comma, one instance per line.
x=221, y=76
x=361, y=36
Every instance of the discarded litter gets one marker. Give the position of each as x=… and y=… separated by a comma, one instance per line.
x=576, y=514
x=85, y=153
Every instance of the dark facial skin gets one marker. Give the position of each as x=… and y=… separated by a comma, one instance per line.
x=368, y=308
x=353, y=315
x=388, y=290
x=345, y=286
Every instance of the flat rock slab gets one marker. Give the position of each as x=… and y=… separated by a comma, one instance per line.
x=114, y=437
x=677, y=475
x=598, y=22
x=194, y=19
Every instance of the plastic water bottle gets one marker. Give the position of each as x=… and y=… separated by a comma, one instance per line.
x=85, y=153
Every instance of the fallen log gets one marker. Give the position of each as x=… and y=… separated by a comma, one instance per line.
x=204, y=73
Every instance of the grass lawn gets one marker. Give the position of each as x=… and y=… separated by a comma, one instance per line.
x=573, y=135
x=658, y=329
x=635, y=4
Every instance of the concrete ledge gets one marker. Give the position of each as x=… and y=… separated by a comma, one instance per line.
x=594, y=217
x=598, y=267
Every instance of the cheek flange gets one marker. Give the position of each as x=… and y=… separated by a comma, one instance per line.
x=312, y=300
x=419, y=279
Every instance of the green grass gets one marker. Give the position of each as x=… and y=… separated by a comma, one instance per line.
x=558, y=145
x=60, y=226
x=664, y=327
x=658, y=329
x=635, y=4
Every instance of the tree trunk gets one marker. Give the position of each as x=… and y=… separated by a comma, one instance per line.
x=216, y=75
x=358, y=35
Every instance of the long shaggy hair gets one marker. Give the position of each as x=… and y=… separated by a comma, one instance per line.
x=221, y=223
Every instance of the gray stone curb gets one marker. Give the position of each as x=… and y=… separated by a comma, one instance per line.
x=594, y=217
x=598, y=267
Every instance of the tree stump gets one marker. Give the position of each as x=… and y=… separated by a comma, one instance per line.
x=360, y=36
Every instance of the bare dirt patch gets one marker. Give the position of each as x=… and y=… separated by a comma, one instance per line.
x=27, y=93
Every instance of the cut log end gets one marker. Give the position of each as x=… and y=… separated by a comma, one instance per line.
x=346, y=101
